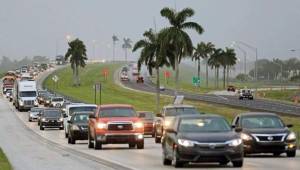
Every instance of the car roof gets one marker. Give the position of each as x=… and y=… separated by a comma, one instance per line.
x=200, y=116
x=81, y=105
x=257, y=114
x=51, y=109
x=116, y=106
x=79, y=113
x=178, y=106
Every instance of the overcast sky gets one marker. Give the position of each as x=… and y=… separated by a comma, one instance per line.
x=37, y=27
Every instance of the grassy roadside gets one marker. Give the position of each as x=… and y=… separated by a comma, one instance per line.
x=282, y=95
x=4, y=164
x=112, y=93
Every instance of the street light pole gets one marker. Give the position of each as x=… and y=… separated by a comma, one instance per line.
x=281, y=70
x=245, y=56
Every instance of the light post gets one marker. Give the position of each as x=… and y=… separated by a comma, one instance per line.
x=256, y=54
x=245, y=56
x=281, y=70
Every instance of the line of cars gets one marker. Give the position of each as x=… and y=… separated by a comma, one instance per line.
x=186, y=135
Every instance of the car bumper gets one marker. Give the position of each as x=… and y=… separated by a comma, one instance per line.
x=210, y=155
x=120, y=138
x=52, y=124
x=148, y=130
x=79, y=134
x=33, y=118
x=269, y=147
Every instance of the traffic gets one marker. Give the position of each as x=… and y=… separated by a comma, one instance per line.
x=186, y=135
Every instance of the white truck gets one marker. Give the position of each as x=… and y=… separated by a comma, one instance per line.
x=73, y=108
x=25, y=95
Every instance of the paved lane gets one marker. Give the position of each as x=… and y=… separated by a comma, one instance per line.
x=150, y=157
x=28, y=151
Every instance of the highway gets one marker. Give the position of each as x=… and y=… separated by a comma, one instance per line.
x=256, y=104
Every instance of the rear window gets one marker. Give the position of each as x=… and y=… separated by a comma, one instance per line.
x=52, y=113
x=117, y=112
x=82, y=109
x=146, y=115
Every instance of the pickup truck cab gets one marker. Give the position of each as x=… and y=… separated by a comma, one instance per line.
x=115, y=124
x=73, y=108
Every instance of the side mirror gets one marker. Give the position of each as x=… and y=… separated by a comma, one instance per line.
x=65, y=115
x=238, y=129
x=159, y=115
x=289, y=126
x=171, y=131
x=92, y=116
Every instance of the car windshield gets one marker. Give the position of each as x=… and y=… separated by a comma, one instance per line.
x=28, y=94
x=212, y=124
x=42, y=93
x=180, y=111
x=57, y=99
x=80, y=118
x=82, y=109
x=258, y=122
x=52, y=113
x=118, y=112
x=146, y=115
x=35, y=109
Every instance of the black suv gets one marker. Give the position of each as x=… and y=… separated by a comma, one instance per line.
x=78, y=127
x=51, y=118
x=201, y=138
x=265, y=133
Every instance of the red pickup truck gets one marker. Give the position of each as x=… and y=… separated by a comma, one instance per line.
x=115, y=124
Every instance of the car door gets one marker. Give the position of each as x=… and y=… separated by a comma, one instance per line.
x=169, y=139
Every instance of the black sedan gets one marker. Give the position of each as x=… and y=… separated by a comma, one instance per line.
x=265, y=133
x=78, y=127
x=201, y=138
x=51, y=118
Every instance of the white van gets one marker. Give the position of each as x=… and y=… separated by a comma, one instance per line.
x=73, y=108
x=25, y=95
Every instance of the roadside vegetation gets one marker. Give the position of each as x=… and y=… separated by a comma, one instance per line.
x=113, y=93
x=4, y=163
x=282, y=95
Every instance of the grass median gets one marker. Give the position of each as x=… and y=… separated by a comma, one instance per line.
x=4, y=163
x=112, y=93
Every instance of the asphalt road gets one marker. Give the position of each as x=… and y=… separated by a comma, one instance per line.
x=256, y=104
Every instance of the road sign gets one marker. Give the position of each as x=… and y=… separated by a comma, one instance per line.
x=196, y=81
x=55, y=78
x=167, y=74
x=105, y=72
x=98, y=86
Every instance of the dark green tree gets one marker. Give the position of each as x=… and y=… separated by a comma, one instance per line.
x=77, y=55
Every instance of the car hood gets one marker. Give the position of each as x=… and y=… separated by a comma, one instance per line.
x=209, y=137
x=81, y=124
x=119, y=119
x=266, y=131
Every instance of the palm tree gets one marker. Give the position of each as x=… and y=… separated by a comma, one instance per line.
x=126, y=45
x=77, y=55
x=174, y=37
x=231, y=59
x=150, y=56
x=215, y=62
x=115, y=39
x=203, y=50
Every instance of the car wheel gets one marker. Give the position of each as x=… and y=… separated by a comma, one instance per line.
x=176, y=162
x=291, y=153
x=41, y=127
x=237, y=163
x=153, y=135
x=276, y=154
x=29, y=120
x=61, y=128
x=69, y=140
x=132, y=145
x=38, y=123
x=97, y=144
x=167, y=161
x=90, y=143
x=157, y=139
x=140, y=144
x=223, y=163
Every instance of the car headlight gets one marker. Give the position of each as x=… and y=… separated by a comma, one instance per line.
x=234, y=142
x=138, y=125
x=61, y=119
x=245, y=137
x=36, y=103
x=75, y=127
x=186, y=143
x=101, y=125
x=21, y=102
x=43, y=119
x=47, y=101
x=291, y=136
x=167, y=123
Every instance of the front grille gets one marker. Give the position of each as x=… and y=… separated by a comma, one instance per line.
x=211, y=146
x=269, y=138
x=120, y=126
x=29, y=102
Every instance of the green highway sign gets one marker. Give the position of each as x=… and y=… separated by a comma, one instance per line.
x=196, y=81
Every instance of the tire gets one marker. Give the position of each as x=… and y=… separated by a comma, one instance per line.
x=61, y=128
x=140, y=144
x=223, y=163
x=291, y=154
x=39, y=123
x=90, y=143
x=157, y=139
x=276, y=154
x=153, y=135
x=41, y=128
x=69, y=140
x=131, y=145
x=97, y=144
x=167, y=161
x=29, y=120
x=177, y=163
x=237, y=164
